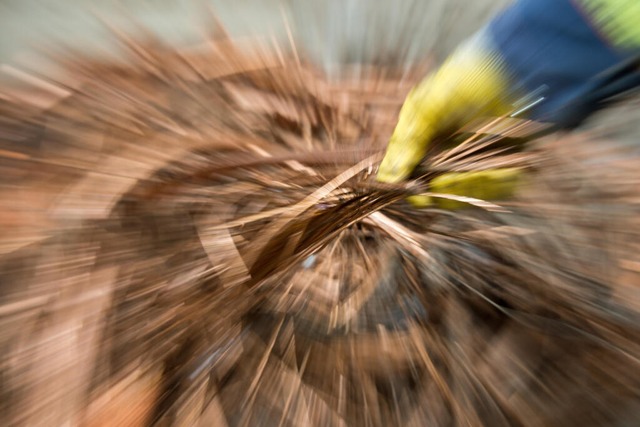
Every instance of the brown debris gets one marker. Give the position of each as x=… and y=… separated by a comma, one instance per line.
x=210, y=248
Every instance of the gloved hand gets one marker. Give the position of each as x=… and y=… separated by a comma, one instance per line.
x=574, y=56
x=471, y=83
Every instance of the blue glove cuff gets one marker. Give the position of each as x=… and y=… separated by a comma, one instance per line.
x=550, y=49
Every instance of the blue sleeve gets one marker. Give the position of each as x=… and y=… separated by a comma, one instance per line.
x=549, y=48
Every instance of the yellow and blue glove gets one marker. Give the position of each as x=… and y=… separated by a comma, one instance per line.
x=547, y=47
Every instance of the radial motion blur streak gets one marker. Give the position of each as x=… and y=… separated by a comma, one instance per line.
x=193, y=233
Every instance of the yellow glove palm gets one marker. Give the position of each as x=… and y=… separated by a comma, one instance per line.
x=470, y=84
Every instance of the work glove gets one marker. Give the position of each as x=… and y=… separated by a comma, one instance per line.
x=471, y=84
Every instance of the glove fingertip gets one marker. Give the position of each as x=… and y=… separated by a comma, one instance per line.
x=420, y=201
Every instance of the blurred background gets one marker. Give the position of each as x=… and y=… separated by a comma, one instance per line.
x=129, y=292
x=332, y=31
